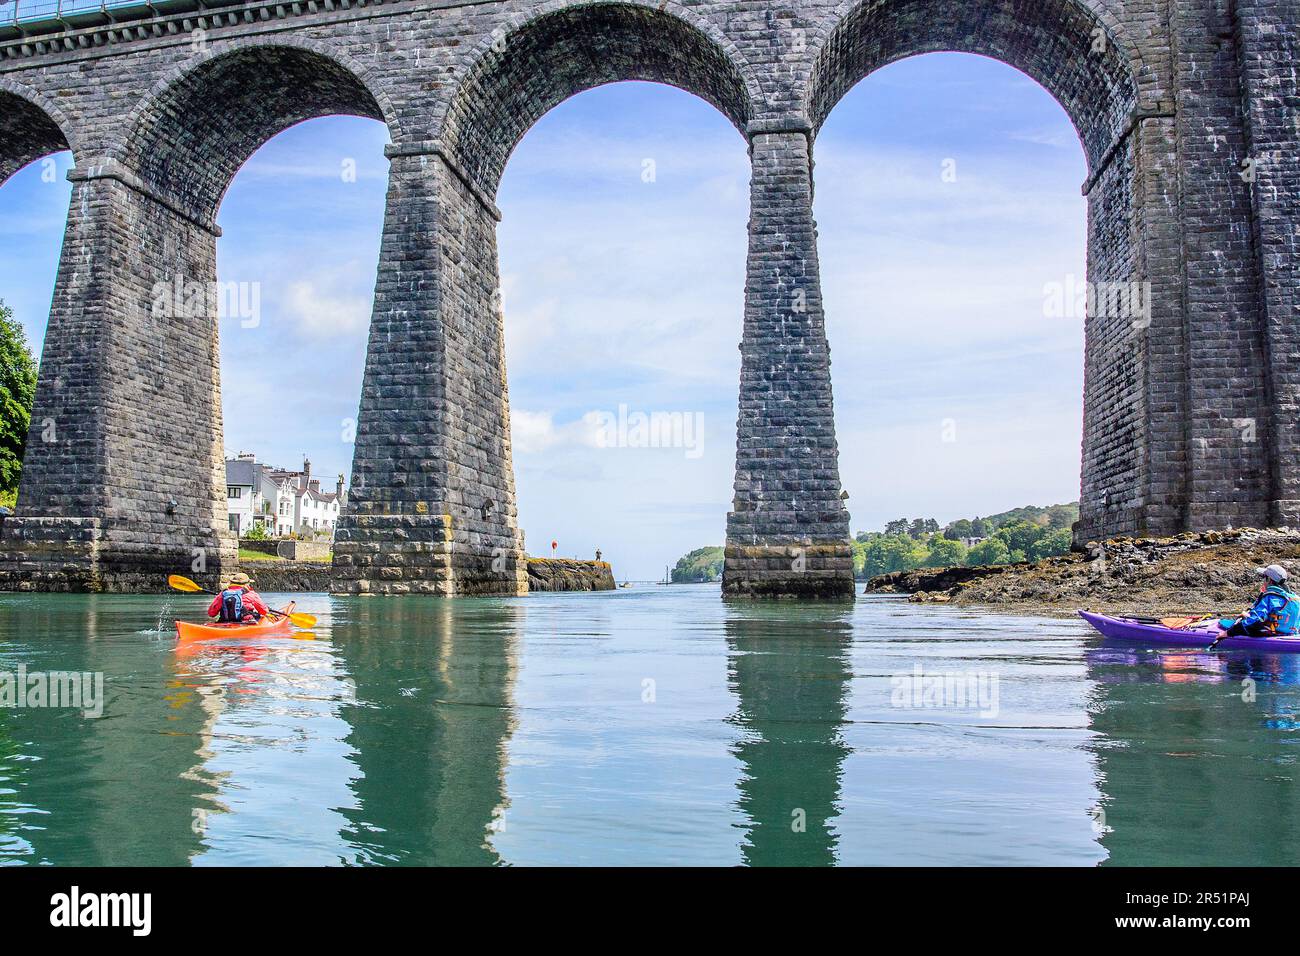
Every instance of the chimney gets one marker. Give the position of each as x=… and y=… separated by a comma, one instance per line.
x=314, y=484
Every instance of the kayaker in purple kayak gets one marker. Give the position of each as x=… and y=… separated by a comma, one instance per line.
x=1276, y=613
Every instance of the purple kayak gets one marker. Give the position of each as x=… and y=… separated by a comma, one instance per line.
x=1203, y=635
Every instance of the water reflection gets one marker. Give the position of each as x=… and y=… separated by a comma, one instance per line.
x=272, y=746
x=1195, y=756
x=791, y=678
x=432, y=715
x=658, y=726
x=97, y=792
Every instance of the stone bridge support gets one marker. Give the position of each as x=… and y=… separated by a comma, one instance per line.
x=123, y=475
x=1267, y=35
x=788, y=531
x=432, y=506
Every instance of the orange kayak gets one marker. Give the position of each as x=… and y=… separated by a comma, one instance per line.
x=273, y=625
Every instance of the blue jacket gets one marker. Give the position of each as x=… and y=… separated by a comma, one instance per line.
x=1277, y=609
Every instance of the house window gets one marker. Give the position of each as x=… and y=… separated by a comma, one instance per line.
x=233, y=520
x=234, y=491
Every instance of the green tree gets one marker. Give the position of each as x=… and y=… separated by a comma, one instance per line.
x=961, y=528
x=896, y=527
x=699, y=566
x=859, y=545
x=892, y=552
x=990, y=551
x=979, y=528
x=1021, y=535
x=945, y=553
x=17, y=390
x=1051, y=544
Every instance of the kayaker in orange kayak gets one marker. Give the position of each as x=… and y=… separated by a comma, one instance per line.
x=238, y=603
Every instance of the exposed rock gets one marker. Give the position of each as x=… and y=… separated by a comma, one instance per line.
x=1207, y=572
x=566, y=574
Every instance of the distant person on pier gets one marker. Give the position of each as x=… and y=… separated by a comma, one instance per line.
x=238, y=603
x=1276, y=613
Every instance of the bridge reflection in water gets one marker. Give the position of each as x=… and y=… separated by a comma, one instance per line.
x=791, y=680
x=660, y=726
x=432, y=716
x=1196, y=756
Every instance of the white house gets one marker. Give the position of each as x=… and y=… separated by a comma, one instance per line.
x=283, y=502
x=300, y=504
x=250, y=494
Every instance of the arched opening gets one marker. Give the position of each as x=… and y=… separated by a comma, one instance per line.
x=434, y=506
x=622, y=262
x=952, y=231
x=301, y=224
x=34, y=194
x=133, y=471
x=518, y=75
x=941, y=262
x=199, y=127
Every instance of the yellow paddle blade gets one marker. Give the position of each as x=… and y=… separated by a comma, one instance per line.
x=183, y=584
x=1183, y=622
x=306, y=621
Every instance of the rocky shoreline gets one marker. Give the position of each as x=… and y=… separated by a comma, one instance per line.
x=568, y=574
x=1210, y=572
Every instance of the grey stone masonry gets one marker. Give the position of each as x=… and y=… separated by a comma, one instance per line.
x=788, y=531
x=1187, y=115
x=432, y=503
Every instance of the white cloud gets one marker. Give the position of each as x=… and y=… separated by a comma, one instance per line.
x=536, y=432
x=325, y=311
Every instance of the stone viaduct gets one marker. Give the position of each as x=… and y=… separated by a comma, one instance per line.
x=1187, y=110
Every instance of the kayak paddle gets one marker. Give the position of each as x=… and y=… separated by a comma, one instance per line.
x=1216, y=642
x=185, y=584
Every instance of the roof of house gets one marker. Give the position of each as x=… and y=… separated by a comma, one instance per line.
x=240, y=471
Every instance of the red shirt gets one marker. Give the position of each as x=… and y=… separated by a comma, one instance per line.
x=251, y=599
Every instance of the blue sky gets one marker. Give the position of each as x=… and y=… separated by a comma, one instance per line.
x=954, y=394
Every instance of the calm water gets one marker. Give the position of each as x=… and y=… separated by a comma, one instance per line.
x=646, y=726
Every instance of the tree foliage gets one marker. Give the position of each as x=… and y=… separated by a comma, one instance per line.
x=1023, y=534
x=17, y=390
x=700, y=566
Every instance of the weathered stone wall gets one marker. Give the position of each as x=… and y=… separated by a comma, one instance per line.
x=567, y=574
x=1187, y=114
x=1267, y=38
x=788, y=531
x=290, y=577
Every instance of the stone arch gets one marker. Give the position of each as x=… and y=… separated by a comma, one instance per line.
x=1132, y=476
x=31, y=126
x=534, y=62
x=200, y=123
x=1074, y=48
